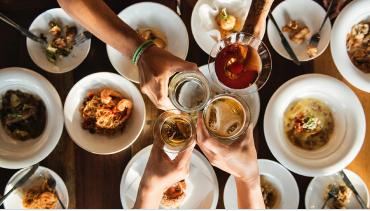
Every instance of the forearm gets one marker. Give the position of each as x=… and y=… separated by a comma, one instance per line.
x=149, y=195
x=100, y=20
x=249, y=194
x=255, y=22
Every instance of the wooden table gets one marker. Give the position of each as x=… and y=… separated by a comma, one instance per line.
x=93, y=180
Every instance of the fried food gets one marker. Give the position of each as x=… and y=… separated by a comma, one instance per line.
x=269, y=193
x=343, y=197
x=158, y=37
x=300, y=35
x=312, y=51
x=290, y=26
x=174, y=195
x=41, y=197
x=358, y=46
x=227, y=23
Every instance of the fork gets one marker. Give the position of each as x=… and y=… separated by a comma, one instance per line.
x=52, y=183
x=333, y=193
x=83, y=37
x=315, y=39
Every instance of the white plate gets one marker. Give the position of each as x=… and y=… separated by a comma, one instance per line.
x=205, y=41
x=307, y=13
x=317, y=189
x=96, y=143
x=348, y=135
x=37, y=53
x=14, y=200
x=154, y=15
x=352, y=14
x=19, y=154
x=137, y=165
x=281, y=179
x=253, y=100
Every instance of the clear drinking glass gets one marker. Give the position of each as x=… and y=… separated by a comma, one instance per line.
x=230, y=109
x=244, y=39
x=174, y=131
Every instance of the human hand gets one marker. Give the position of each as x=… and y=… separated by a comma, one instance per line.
x=238, y=159
x=155, y=68
x=337, y=7
x=161, y=172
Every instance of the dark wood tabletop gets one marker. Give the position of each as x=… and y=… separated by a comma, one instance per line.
x=93, y=181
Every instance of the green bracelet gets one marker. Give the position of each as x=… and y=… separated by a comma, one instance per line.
x=140, y=50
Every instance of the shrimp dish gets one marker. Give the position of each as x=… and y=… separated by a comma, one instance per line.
x=358, y=46
x=228, y=23
x=174, y=195
x=41, y=197
x=105, y=113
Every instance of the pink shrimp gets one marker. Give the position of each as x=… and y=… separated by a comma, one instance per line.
x=122, y=106
x=106, y=93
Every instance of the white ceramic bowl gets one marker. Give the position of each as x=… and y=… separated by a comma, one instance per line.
x=37, y=53
x=352, y=14
x=154, y=15
x=136, y=168
x=349, y=121
x=278, y=176
x=306, y=13
x=16, y=154
x=317, y=189
x=253, y=100
x=14, y=200
x=96, y=143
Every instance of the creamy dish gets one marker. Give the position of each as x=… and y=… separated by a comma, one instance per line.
x=308, y=124
x=228, y=23
x=61, y=46
x=40, y=197
x=358, y=46
x=23, y=116
x=105, y=112
x=158, y=37
x=343, y=196
x=269, y=193
x=174, y=195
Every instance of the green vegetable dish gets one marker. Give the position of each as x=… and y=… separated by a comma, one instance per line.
x=61, y=46
x=23, y=116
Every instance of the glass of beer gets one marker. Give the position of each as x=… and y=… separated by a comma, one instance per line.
x=174, y=131
x=226, y=117
x=240, y=63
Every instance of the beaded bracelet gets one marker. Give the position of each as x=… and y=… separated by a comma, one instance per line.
x=140, y=50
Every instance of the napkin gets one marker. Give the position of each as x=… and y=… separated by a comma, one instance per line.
x=208, y=13
x=198, y=187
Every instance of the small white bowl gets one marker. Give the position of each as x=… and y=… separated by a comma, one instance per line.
x=14, y=200
x=349, y=121
x=352, y=14
x=317, y=189
x=136, y=167
x=278, y=176
x=306, y=13
x=37, y=53
x=153, y=15
x=16, y=154
x=96, y=143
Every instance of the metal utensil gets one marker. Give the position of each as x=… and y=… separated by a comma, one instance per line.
x=83, y=37
x=20, y=182
x=315, y=39
x=178, y=7
x=284, y=41
x=333, y=193
x=24, y=31
x=52, y=183
x=350, y=186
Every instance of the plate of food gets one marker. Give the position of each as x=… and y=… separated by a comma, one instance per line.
x=278, y=186
x=299, y=20
x=253, y=100
x=59, y=30
x=31, y=116
x=317, y=192
x=198, y=191
x=350, y=42
x=155, y=22
x=35, y=193
x=314, y=125
x=213, y=19
x=104, y=113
